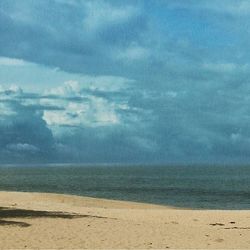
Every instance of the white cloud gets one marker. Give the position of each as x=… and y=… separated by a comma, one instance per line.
x=145, y=143
x=108, y=83
x=239, y=7
x=224, y=67
x=6, y=61
x=232, y=7
x=171, y=94
x=84, y=108
x=5, y=110
x=133, y=52
x=101, y=14
x=97, y=83
x=7, y=93
x=21, y=147
x=95, y=111
x=68, y=89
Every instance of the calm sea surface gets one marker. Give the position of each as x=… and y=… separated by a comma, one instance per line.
x=189, y=186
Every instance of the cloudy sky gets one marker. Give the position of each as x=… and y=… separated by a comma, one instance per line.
x=135, y=81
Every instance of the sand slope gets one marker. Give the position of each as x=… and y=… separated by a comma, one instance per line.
x=97, y=223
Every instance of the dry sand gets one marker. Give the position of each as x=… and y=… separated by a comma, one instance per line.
x=52, y=221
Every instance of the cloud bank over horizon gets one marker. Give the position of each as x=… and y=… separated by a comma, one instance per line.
x=107, y=81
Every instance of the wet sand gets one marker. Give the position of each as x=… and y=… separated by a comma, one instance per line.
x=52, y=221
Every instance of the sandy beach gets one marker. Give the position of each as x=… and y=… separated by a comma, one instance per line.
x=52, y=221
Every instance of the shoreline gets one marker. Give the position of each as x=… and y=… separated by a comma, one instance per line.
x=118, y=202
x=88, y=200
x=48, y=220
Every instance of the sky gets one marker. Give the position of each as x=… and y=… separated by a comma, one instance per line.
x=128, y=82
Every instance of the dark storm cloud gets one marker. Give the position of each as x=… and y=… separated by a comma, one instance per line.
x=24, y=137
x=73, y=43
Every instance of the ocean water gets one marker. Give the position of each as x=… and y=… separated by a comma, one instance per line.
x=217, y=187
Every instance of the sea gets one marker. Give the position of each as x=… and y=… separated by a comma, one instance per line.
x=194, y=187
